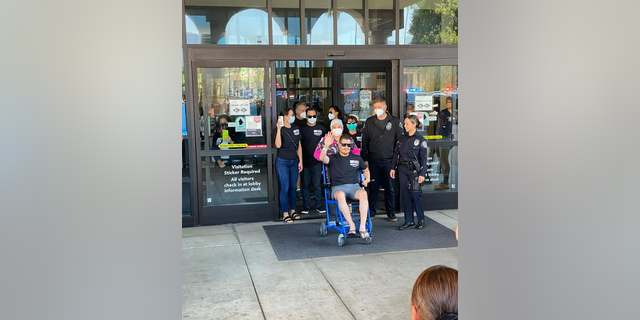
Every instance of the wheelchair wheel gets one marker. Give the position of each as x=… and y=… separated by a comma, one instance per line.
x=341, y=240
x=368, y=240
x=323, y=229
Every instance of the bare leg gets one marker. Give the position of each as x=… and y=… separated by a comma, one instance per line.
x=344, y=208
x=361, y=195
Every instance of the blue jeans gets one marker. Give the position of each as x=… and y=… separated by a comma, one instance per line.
x=312, y=175
x=287, y=171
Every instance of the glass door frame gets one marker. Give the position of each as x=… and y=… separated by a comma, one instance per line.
x=239, y=212
x=432, y=200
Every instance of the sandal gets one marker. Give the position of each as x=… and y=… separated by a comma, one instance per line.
x=287, y=220
x=364, y=234
x=352, y=234
x=294, y=216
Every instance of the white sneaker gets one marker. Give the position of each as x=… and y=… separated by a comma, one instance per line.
x=332, y=223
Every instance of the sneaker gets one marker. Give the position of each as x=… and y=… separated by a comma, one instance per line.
x=332, y=223
x=321, y=210
x=392, y=217
x=441, y=186
x=305, y=211
x=337, y=223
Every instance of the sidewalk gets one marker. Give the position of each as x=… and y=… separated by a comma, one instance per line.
x=231, y=272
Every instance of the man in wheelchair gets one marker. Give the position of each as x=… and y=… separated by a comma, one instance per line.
x=345, y=177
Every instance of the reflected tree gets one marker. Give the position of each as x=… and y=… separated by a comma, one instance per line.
x=435, y=22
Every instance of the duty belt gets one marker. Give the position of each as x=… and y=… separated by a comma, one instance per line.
x=407, y=164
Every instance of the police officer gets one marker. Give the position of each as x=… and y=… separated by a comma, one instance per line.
x=410, y=161
x=379, y=135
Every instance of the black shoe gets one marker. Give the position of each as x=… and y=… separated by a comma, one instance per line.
x=406, y=225
x=420, y=225
x=392, y=218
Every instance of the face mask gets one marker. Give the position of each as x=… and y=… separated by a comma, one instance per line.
x=336, y=132
x=379, y=112
x=331, y=116
x=352, y=126
x=303, y=115
x=292, y=119
x=312, y=120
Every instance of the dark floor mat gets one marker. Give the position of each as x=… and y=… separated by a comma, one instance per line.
x=303, y=240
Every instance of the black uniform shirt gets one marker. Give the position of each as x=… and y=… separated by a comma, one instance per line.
x=300, y=122
x=290, y=138
x=379, y=138
x=357, y=137
x=444, y=123
x=411, y=148
x=345, y=170
x=310, y=138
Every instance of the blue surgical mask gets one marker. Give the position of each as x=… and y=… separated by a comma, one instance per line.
x=352, y=126
x=312, y=120
x=292, y=119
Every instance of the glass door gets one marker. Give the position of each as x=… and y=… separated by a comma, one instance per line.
x=234, y=167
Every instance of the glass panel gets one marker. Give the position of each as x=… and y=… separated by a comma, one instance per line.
x=186, y=188
x=321, y=74
x=321, y=101
x=442, y=170
x=237, y=22
x=286, y=21
x=428, y=22
x=231, y=102
x=382, y=22
x=319, y=22
x=357, y=92
x=350, y=22
x=234, y=179
x=426, y=91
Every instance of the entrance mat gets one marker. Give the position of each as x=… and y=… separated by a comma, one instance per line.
x=303, y=240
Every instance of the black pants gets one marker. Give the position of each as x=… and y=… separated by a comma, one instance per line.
x=380, y=177
x=410, y=200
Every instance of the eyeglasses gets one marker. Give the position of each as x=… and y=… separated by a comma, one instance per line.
x=351, y=123
x=346, y=144
x=312, y=117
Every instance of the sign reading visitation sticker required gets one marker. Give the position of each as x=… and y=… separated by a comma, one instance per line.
x=239, y=107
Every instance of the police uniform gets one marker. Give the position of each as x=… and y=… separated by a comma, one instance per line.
x=409, y=149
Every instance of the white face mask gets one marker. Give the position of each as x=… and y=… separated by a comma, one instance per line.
x=331, y=116
x=312, y=120
x=336, y=132
x=379, y=112
x=303, y=115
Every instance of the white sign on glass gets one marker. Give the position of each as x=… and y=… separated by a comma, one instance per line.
x=239, y=107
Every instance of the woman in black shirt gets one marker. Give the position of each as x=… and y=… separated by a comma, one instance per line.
x=288, y=163
x=356, y=135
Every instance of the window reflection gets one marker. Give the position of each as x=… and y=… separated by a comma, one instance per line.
x=350, y=22
x=428, y=22
x=426, y=93
x=244, y=23
x=319, y=22
x=231, y=102
x=286, y=22
x=382, y=22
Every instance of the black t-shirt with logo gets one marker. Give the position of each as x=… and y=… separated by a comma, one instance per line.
x=357, y=138
x=290, y=138
x=310, y=138
x=345, y=169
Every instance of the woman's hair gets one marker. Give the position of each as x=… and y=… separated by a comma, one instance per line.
x=435, y=292
x=285, y=112
x=415, y=120
x=352, y=117
x=337, y=110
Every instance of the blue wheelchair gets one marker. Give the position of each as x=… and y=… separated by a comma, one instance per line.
x=343, y=228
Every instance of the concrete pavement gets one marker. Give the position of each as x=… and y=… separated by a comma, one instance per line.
x=231, y=272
